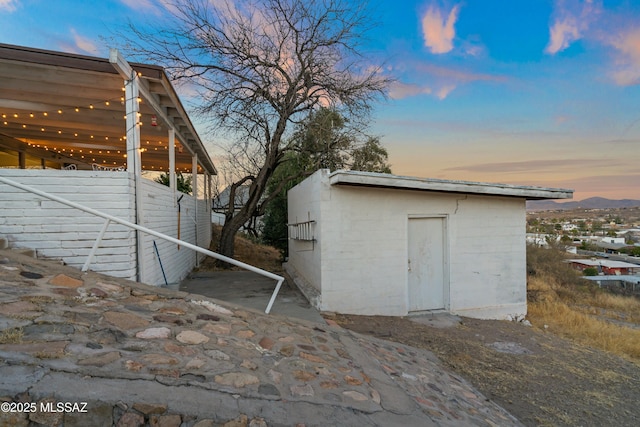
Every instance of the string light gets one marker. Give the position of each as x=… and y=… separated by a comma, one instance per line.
x=78, y=109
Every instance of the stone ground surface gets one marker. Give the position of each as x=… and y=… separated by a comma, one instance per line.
x=138, y=355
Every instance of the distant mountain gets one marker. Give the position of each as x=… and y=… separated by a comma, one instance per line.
x=591, y=203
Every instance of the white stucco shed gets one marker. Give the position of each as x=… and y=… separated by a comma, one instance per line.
x=368, y=243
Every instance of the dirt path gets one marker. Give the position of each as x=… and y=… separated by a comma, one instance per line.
x=542, y=379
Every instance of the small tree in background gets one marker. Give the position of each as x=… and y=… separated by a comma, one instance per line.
x=590, y=271
x=324, y=141
x=183, y=182
x=371, y=157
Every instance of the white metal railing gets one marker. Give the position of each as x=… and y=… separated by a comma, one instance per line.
x=110, y=218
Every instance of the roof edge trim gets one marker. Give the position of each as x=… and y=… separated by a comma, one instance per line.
x=380, y=180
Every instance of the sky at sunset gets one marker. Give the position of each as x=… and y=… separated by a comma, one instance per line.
x=533, y=92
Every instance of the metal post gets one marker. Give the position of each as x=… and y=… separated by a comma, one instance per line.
x=273, y=296
x=96, y=244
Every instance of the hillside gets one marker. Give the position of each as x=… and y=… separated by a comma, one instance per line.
x=590, y=203
x=583, y=345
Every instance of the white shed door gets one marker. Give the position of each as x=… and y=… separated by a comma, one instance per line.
x=426, y=264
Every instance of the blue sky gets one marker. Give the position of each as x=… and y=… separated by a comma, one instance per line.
x=534, y=92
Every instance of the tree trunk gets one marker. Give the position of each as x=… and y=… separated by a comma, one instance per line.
x=226, y=245
x=256, y=190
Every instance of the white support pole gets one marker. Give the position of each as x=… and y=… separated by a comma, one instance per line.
x=131, y=88
x=194, y=187
x=172, y=160
x=134, y=159
x=194, y=175
x=209, y=203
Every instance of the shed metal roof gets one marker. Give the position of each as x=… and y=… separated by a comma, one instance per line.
x=381, y=180
x=69, y=107
x=604, y=263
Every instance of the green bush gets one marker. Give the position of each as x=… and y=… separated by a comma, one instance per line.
x=590, y=271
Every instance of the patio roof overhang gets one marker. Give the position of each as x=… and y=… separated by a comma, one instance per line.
x=65, y=108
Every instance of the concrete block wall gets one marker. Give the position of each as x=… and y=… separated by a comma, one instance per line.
x=304, y=203
x=488, y=258
x=60, y=232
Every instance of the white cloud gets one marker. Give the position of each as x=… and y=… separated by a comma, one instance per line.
x=138, y=4
x=617, y=31
x=562, y=34
x=9, y=5
x=83, y=44
x=572, y=20
x=444, y=91
x=439, y=31
x=626, y=70
x=399, y=90
x=147, y=6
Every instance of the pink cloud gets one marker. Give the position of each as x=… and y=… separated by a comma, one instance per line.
x=457, y=75
x=399, y=90
x=9, y=5
x=562, y=34
x=439, y=31
x=83, y=43
x=444, y=91
x=148, y=6
x=441, y=80
x=572, y=20
x=626, y=70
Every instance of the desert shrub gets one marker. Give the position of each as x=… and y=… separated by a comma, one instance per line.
x=590, y=271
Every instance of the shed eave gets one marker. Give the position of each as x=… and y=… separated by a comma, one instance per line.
x=370, y=179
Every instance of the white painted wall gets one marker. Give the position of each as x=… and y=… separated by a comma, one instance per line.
x=305, y=261
x=359, y=263
x=160, y=213
x=59, y=232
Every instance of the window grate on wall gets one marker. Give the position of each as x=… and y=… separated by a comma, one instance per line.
x=302, y=231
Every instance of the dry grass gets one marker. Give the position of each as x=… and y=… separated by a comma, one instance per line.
x=11, y=336
x=262, y=256
x=576, y=309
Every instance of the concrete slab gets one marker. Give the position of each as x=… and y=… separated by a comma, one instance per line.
x=251, y=290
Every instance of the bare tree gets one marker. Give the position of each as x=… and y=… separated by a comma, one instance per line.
x=262, y=66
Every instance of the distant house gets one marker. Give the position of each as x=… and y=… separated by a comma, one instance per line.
x=91, y=130
x=613, y=240
x=630, y=283
x=221, y=206
x=367, y=243
x=608, y=246
x=605, y=266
